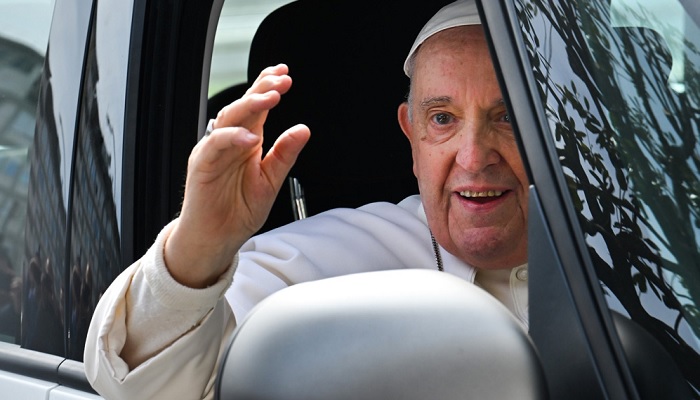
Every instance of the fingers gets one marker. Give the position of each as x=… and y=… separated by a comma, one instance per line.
x=272, y=78
x=227, y=145
x=224, y=145
x=251, y=110
x=283, y=154
x=237, y=134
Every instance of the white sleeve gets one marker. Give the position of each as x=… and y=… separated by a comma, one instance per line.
x=152, y=338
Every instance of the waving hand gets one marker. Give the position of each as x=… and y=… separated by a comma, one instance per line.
x=230, y=185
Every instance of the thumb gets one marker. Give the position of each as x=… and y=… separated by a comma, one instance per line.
x=283, y=154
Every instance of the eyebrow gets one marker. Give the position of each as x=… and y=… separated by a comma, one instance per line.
x=447, y=99
x=435, y=100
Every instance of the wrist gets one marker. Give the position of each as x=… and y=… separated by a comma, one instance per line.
x=194, y=261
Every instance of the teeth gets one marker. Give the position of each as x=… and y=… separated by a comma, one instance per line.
x=490, y=193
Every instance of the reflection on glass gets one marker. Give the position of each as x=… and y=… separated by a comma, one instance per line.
x=42, y=307
x=42, y=301
x=621, y=87
x=44, y=261
x=10, y=301
x=21, y=60
x=95, y=251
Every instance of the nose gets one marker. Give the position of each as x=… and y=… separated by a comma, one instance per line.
x=478, y=148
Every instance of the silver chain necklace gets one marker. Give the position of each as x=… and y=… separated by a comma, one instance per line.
x=436, y=250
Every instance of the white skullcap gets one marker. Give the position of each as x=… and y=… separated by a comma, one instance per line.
x=458, y=13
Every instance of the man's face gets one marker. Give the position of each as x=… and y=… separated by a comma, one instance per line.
x=470, y=175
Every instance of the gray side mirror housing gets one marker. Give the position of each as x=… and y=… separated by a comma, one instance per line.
x=408, y=334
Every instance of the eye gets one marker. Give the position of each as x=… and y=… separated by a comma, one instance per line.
x=506, y=118
x=442, y=118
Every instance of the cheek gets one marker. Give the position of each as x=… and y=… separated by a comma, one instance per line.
x=516, y=165
x=522, y=177
x=421, y=162
x=419, y=169
x=416, y=161
x=520, y=174
x=431, y=167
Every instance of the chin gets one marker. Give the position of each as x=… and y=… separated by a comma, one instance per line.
x=488, y=249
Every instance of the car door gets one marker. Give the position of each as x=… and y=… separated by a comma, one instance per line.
x=95, y=143
x=605, y=99
x=37, y=201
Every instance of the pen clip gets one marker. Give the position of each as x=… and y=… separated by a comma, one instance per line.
x=298, y=201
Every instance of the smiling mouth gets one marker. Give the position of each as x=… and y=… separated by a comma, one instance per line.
x=481, y=197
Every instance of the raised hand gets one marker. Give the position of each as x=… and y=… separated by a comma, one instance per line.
x=230, y=186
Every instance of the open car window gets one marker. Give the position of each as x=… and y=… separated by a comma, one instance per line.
x=337, y=65
x=620, y=85
x=238, y=21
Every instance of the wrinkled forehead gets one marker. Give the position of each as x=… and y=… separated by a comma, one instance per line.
x=454, y=63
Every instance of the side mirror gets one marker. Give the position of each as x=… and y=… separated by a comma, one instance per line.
x=406, y=334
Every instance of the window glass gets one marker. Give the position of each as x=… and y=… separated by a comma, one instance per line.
x=95, y=251
x=620, y=81
x=24, y=32
x=237, y=24
x=44, y=263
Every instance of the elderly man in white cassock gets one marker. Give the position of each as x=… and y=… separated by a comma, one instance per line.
x=161, y=327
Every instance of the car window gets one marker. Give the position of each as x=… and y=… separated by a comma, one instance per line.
x=24, y=32
x=620, y=81
x=237, y=24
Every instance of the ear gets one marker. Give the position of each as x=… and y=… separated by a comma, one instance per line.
x=407, y=128
x=404, y=121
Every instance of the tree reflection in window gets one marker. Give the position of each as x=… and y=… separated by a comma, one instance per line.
x=626, y=131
